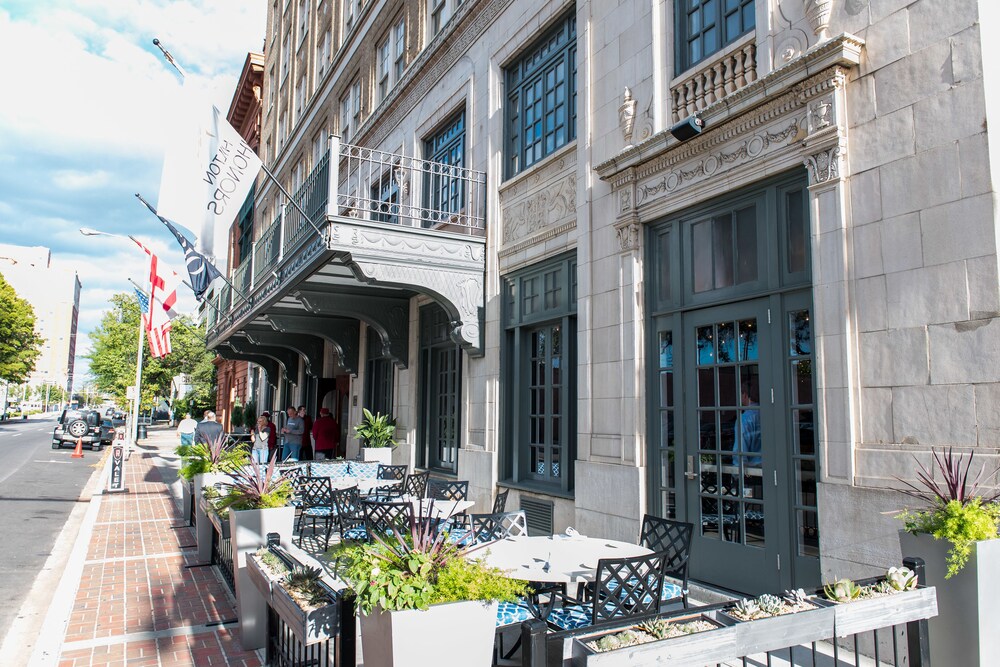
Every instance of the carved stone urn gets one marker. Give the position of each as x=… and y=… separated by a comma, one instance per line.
x=818, y=15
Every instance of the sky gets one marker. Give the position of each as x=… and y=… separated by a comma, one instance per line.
x=87, y=104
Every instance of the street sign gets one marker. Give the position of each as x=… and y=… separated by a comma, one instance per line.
x=116, y=480
x=130, y=392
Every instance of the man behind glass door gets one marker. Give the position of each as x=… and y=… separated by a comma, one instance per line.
x=749, y=423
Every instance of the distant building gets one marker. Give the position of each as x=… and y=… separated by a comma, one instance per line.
x=54, y=294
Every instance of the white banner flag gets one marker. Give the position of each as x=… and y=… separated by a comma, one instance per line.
x=208, y=170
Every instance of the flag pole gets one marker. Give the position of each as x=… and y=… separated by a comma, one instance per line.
x=224, y=278
x=134, y=429
x=170, y=59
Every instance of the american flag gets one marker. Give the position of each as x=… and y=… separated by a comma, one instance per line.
x=157, y=325
x=143, y=301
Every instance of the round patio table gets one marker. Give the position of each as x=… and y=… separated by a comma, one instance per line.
x=554, y=558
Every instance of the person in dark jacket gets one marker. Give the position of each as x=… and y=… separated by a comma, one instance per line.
x=326, y=433
x=208, y=429
x=307, y=421
x=272, y=440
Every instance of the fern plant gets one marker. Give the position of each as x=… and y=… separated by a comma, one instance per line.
x=221, y=455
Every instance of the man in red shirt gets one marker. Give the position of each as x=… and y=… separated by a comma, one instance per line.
x=326, y=432
x=272, y=439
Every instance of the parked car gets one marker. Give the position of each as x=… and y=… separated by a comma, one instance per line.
x=89, y=426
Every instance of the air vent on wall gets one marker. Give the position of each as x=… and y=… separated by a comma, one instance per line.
x=539, y=515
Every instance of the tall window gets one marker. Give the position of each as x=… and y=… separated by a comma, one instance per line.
x=244, y=242
x=539, y=376
x=319, y=147
x=438, y=15
x=303, y=19
x=351, y=11
x=540, y=112
x=271, y=87
x=350, y=111
x=286, y=57
x=378, y=377
x=323, y=56
x=390, y=60
x=300, y=97
x=382, y=56
x=445, y=191
x=441, y=381
x=705, y=26
x=385, y=199
x=399, y=49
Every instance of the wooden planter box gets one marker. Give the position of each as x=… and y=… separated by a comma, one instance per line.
x=903, y=607
x=711, y=646
x=311, y=626
x=261, y=577
x=776, y=632
x=221, y=525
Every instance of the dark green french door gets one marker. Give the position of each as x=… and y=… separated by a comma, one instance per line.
x=736, y=450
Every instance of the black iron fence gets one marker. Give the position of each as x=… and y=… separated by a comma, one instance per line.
x=899, y=645
x=222, y=554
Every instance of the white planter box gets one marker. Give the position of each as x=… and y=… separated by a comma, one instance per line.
x=701, y=648
x=462, y=630
x=968, y=624
x=897, y=609
x=381, y=455
x=769, y=634
x=203, y=528
x=249, y=529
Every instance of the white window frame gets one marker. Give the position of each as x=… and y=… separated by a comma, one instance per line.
x=323, y=56
x=272, y=85
x=286, y=57
x=437, y=16
x=399, y=49
x=382, y=57
x=319, y=148
x=350, y=12
x=300, y=97
x=303, y=19
x=350, y=111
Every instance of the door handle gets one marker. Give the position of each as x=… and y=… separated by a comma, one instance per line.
x=690, y=473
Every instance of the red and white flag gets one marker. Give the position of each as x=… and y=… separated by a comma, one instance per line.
x=162, y=298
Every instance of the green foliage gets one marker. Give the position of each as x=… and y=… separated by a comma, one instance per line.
x=112, y=357
x=256, y=488
x=417, y=570
x=250, y=415
x=236, y=420
x=375, y=430
x=222, y=455
x=273, y=563
x=19, y=344
x=304, y=580
x=842, y=590
x=960, y=524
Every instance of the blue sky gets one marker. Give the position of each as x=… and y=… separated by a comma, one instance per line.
x=87, y=100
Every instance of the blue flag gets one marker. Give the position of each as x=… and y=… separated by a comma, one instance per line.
x=201, y=271
x=143, y=301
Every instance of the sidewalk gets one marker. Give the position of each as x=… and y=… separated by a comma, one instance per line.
x=133, y=593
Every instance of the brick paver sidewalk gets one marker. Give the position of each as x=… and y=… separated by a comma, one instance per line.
x=140, y=601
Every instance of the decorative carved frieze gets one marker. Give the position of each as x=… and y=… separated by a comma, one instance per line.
x=627, y=232
x=824, y=165
x=546, y=207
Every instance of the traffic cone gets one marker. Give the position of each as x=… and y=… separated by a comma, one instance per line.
x=78, y=452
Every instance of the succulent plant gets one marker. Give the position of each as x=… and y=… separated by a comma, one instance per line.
x=882, y=588
x=770, y=604
x=656, y=627
x=842, y=590
x=797, y=596
x=747, y=608
x=901, y=578
x=305, y=580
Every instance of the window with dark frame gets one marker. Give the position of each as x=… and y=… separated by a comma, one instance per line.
x=539, y=375
x=378, y=377
x=441, y=380
x=244, y=219
x=540, y=109
x=704, y=27
x=444, y=187
x=385, y=199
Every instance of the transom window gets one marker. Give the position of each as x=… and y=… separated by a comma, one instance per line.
x=538, y=378
x=445, y=191
x=705, y=26
x=541, y=98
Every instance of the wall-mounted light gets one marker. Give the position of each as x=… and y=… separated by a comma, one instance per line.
x=688, y=128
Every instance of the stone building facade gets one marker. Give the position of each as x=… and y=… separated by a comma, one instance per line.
x=732, y=262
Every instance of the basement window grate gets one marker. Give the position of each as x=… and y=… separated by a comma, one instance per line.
x=539, y=515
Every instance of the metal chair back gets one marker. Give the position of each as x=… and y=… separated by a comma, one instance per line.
x=500, y=502
x=314, y=491
x=673, y=540
x=439, y=489
x=347, y=502
x=490, y=527
x=391, y=472
x=416, y=484
x=627, y=587
x=387, y=518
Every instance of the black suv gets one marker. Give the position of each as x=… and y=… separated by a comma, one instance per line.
x=90, y=426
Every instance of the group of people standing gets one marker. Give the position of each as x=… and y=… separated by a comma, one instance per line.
x=298, y=436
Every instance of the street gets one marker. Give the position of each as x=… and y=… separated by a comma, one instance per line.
x=39, y=487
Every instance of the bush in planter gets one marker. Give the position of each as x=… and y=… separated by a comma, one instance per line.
x=420, y=569
x=375, y=430
x=955, y=511
x=237, y=419
x=250, y=414
x=255, y=488
x=220, y=456
x=897, y=580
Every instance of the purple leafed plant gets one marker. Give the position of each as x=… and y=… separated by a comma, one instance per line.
x=954, y=484
x=254, y=487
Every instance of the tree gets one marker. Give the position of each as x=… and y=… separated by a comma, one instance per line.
x=19, y=344
x=113, y=348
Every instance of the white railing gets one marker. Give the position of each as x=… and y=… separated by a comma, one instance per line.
x=267, y=250
x=724, y=76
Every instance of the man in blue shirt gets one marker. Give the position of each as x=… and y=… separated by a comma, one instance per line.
x=750, y=424
x=291, y=436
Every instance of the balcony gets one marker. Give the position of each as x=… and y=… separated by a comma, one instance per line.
x=379, y=226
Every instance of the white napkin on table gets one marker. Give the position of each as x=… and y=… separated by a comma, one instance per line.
x=572, y=532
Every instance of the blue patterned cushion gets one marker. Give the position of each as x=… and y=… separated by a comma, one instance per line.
x=364, y=469
x=318, y=511
x=356, y=534
x=458, y=535
x=295, y=502
x=670, y=591
x=510, y=613
x=570, y=618
x=337, y=471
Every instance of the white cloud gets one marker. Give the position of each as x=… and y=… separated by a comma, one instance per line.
x=70, y=179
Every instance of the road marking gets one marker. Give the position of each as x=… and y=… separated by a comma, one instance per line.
x=50, y=461
x=16, y=435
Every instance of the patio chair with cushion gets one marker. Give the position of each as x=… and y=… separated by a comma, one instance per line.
x=673, y=539
x=491, y=527
x=390, y=473
x=316, y=497
x=387, y=518
x=623, y=588
x=350, y=514
x=440, y=489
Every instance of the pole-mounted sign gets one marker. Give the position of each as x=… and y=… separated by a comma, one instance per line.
x=116, y=480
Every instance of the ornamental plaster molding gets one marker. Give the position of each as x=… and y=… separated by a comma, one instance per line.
x=824, y=166
x=404, y=246
x=545, y=208
x=627, y=233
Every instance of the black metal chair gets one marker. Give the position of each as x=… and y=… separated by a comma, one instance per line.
x=673, y=539
x=391, y=473
x=623, y=588
x=350, y=514
x=440, y=489
x=490, y=527
x=316, y=500
x=500, y=502
x=387, y=518
x=416, y=484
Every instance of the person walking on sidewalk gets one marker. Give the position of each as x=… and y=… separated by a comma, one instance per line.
x=208, y=430
x=326, y=432
x=185, y=429
x=291, y=440
x=261, y=436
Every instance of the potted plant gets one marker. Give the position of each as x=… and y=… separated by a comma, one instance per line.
x=413, y=584
x=770, y=622
x=891, y=600
x=376, y=433
x=258, y=504
x=205, y=465
x=690, y=638
x=237, y=420
x=955, y=533
x=249, y=415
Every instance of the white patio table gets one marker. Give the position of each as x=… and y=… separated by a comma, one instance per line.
x=365, y=485
x=442, y=509
x=570, y=560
